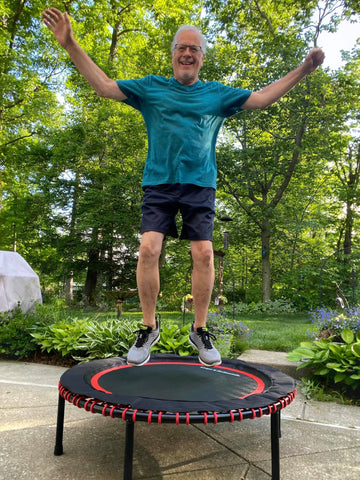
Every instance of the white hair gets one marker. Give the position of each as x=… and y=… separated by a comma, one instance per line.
x=194, y=29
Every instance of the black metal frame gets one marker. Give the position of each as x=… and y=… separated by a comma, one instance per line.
x=131, y=416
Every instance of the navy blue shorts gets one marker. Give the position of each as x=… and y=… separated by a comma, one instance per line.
x=161, y=204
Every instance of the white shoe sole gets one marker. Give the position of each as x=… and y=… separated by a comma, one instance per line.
x=218, y=362
x=147, y=358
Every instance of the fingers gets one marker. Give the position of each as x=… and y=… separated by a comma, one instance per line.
x=51, y=17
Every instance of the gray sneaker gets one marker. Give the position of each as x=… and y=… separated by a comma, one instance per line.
x=139, y=353
x=201, y=340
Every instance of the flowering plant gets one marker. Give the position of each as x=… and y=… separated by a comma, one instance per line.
x=236, y=331
x=329, y=323
x=187, y=303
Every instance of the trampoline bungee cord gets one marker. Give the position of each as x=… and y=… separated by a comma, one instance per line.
x=179, y=390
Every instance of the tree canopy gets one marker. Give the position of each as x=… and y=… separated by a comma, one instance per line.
x=71, y=163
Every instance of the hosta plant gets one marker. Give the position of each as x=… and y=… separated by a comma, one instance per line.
x=335, y=364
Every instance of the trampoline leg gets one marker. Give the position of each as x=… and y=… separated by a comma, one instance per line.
x=129, y=448
x=275, y=448
x=60, y=427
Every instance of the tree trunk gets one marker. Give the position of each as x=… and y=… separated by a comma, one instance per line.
x=69, y=288
x=91, y=277
x=349, y=221
x=265, y=260
x=69, y=281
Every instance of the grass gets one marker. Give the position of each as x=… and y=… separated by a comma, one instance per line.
x=277, y=332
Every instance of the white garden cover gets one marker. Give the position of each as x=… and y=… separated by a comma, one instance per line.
x=19, y=284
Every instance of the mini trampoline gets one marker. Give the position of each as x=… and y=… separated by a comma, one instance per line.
x=179, y=390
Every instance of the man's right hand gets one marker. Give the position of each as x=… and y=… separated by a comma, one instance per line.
x=60, y=25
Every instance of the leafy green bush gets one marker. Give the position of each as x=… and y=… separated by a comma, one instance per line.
x=15, y=336
x=327, y=323
x=63, y=337
x=235, y=331
x=272, y=306
x=335, y=364
x=174, y=339
x=106, y=339
x=85, y=339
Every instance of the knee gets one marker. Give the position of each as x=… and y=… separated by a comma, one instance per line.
x=203, y=257
x=149, y=253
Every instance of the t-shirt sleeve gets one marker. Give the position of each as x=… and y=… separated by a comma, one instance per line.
x=232, y=99
x=134, y=90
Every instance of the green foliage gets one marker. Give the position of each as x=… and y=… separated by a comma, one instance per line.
x=238, y=345
x=174, y=339
x=85, y=339
x=327, y=323
x=232, y=336
x=99, y=334
x=15, y=336
x=17, y=329
x=334, y=363
x=314, y=390
x=272, y=306
x=62, y=337
x=106, y=339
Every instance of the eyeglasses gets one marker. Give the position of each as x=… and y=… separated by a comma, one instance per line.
x=181, y=47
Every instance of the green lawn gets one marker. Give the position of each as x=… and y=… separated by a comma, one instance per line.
x=279, y=332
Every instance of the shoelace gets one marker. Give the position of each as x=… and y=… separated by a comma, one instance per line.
x=143, y=335
x=205, y=337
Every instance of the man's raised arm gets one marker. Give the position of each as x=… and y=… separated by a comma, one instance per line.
x=60, y=25
x=273, y=92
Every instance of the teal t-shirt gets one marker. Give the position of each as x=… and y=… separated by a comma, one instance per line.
x=182, y=124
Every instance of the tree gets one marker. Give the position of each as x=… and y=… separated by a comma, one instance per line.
x=71, y=163
x=93, y=156
x=262, y=153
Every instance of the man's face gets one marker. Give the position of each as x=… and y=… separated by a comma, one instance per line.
x=187, y=62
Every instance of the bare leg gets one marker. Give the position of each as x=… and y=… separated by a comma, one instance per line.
x=202, y=279
x=147, y=274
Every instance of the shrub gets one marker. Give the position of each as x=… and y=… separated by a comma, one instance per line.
x=336, y=364
x=106, y=339
x=62, y=337
x=237, y=331
x=327, y=323
x=272, y=306
x=15, y=336
x=85, y=340
x=174, y=339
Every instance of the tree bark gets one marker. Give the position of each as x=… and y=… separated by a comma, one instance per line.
x=69, y=288
x=265, y=260
x=92, y=273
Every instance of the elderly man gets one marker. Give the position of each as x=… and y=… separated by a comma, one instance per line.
x=183, y=117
